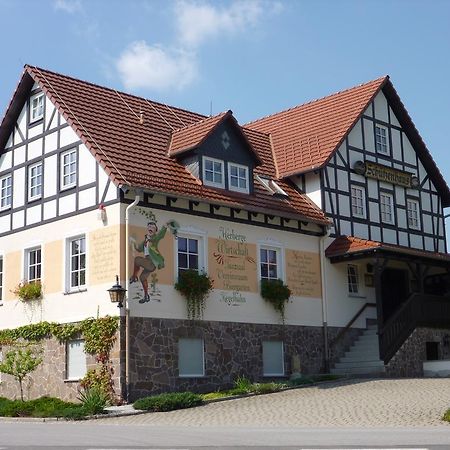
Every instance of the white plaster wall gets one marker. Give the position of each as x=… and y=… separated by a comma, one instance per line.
x=312, y=188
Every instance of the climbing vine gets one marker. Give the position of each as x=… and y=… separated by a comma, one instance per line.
x=99, y=337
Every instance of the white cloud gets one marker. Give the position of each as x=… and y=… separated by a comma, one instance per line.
x=196, y=22
x=155, y=67
x=68, y=6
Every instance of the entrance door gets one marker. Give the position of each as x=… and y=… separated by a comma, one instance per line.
x=394, y=290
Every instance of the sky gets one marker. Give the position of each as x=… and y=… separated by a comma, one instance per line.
x=254, y=57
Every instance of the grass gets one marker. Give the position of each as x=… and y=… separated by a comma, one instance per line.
x=447, y=416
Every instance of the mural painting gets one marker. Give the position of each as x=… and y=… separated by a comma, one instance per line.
x=151, y=258
x=232, y=265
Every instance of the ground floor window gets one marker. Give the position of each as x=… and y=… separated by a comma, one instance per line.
x=75, y=360
x=353, y=279
x=191, y=357
x=273, y=358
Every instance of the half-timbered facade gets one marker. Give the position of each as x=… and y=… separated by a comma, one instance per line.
x=338, y=201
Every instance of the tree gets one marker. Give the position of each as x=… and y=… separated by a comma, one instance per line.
x=19, y=362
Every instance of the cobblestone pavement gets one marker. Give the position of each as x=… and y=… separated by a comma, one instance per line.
x=356, y=403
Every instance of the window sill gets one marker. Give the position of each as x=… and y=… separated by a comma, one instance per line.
x=191, y=376
x=34, y=199
x=271, y=375
x=37, y=121
x=72, y=380
x=75, y=291
x=67, y=188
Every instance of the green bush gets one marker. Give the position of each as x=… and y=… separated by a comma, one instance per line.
x=447, y=416
x=28, y=290
x=169, y=402
x=326, y=377
x=40, y=407
x=267, y=388
x=301, y=381
x=94, y=400
x=242, y=385
x=277, y=294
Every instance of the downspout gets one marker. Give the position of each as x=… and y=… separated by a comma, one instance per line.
x=127, y=286
x=323, y=276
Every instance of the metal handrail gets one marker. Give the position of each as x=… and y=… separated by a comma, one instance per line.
x=351, y=322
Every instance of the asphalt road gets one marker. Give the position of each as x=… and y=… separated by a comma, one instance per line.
x=93, y=436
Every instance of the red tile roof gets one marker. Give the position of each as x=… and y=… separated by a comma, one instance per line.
x=134, y=151
x=194, y=134
x=306, y=136
x=350, y=245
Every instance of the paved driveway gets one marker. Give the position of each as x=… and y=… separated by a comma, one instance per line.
x=356, y=403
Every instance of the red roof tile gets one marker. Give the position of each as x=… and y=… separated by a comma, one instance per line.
x=305, y=137
x=134, y=152
x=193, y=135
x=350, y=245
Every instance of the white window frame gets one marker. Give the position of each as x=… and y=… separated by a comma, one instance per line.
x=2, y=277
x=354, y=206
x=4, y=192
x=192, y=375
x=69, y=271
x=28, y=265
x=351, y=285
x=32, y=177
x=32, y=109
x=380, y=147
x=384, y=213
x=69, y=174
x=270, y=374
x=79, y=376
x=200, y=236
x=409, y=214
x=212, y=183
x=245, y=190
x=280, y=261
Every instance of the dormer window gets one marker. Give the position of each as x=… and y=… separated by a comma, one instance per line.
x=213, y=172
x=238, y=178
x=36, y=107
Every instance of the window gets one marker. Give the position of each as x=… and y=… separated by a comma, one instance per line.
x=36, y=107
x=75, y=360
x=273, y=358
x=1, y=280
x=413, y=214
x=33, y=264
x=381, y=139
x=191, y=360
x=387, y=208
x=270, y=263
x=352, y=279
x=238, y=178
x=357, y=195
x=35, y=181
x=5, y=192
x=213, y=172
x=77, y=262
x=68, y=169
x=188, y=253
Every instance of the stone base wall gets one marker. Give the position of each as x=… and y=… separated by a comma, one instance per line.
x=231, y=350
x=49, y=377
x=408, y=361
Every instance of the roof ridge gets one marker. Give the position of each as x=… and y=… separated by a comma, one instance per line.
x=28, y=66
x=193, y=124
x=319, y=99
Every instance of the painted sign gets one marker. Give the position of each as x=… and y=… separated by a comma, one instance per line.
x=232, y=265
x=303, y=273
x=385, y=173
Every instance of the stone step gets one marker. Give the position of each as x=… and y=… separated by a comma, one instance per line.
x=359, y=358
x=368, y=339
x=350, y=365
x=359, y=371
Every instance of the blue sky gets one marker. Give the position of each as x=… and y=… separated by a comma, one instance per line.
x=254, y=57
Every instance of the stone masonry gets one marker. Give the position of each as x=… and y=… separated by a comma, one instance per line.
x=49, y=378
x=231, y=350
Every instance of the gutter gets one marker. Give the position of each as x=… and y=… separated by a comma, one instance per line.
x=323, y=277
x=127, y=286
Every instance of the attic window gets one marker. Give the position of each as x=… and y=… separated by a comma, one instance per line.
x=238, y=178
x=213, y=172
x=272, y=187
x=36, y=107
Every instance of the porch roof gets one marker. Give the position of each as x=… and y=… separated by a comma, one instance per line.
x=351, y=247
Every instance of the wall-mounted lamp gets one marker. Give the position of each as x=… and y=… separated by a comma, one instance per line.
x=117, y=293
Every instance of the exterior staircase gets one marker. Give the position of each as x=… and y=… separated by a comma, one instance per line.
x=363, y=358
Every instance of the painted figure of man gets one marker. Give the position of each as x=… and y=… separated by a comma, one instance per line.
x=152, y=259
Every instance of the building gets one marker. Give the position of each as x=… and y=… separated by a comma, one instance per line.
x=337, y=198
